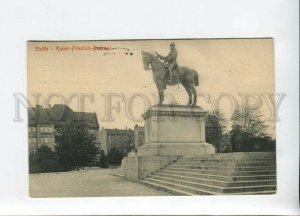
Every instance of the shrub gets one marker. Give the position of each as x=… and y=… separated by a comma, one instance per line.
x=114, y=156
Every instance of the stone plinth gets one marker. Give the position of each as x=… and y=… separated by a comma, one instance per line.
x=136, y=168
x=175, y=131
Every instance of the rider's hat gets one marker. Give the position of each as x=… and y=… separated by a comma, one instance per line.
x=172, y=44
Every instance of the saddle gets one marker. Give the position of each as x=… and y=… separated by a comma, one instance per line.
x=177, y=74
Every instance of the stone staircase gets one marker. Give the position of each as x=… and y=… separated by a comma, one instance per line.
x=219, y=174
x=118, y=172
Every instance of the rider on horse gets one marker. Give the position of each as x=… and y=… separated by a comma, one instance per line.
x=170, y=58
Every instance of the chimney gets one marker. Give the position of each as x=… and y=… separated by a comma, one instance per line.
x=39, y=110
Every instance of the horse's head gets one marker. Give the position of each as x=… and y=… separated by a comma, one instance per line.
x=147, y=59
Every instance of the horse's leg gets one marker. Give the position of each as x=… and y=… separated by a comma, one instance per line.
x=190, y=96
x=159, y=96
x=161, y=93
x=188, y=90
x=160, y=89
x=192, y=87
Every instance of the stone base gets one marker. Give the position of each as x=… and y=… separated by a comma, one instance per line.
x=171, y=132
x=137, y=168
x=176, y=149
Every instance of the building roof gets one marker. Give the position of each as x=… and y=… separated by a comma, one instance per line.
x=118, y=131
x=140, y=129
x=60, y=115
x=38, y=115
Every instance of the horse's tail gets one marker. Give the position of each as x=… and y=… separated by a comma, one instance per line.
x=196, y=78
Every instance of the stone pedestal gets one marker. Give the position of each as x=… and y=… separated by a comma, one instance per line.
x=172, y=130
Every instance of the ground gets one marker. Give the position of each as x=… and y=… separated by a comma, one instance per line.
x=86, y=183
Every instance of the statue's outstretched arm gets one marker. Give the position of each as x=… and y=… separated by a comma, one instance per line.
x=160, y=56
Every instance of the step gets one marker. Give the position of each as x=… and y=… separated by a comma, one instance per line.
x=194, y=185
x=193, y=174
x=213, y=157
x=185, y=188
x=256, y=172
x=167, y=189
x=224, y=168
x=185, y=193
x=225, y=164
x=211, y=172
x=257, y=188
x=239, y=155
x=224, y=173
x=218, y=182
x=117, y=174
x=268, y=192
x=195, y=160
x=121, y=173
x=219, y=177
x=212, y=188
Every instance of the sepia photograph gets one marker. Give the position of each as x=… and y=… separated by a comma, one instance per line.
x=171, y=117
x=149, y=107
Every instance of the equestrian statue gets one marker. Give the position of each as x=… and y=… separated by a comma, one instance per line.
x=169, y=73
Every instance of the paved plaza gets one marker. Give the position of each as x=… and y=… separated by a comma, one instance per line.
x=86, y=183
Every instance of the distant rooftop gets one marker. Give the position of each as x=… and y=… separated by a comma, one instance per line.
x=60, y=115
x=118, y=131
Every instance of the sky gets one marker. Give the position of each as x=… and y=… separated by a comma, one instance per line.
x=234, y=67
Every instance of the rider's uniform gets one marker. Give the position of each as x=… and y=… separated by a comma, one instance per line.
x=171, y=58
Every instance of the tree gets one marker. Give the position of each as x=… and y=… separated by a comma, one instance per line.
x=249, y=131
x=43, y=160
x=115, y=156
x=103, y=160
x=250, y=122
x=215, y=128
x=76, y=147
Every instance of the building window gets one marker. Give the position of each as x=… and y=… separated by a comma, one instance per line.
x=32, y=129
x=47, y=129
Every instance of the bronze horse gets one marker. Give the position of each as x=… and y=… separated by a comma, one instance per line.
x=186, y=76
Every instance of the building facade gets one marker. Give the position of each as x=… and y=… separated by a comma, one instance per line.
x=122, y=140
x=43, y=122
x=139, y=136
